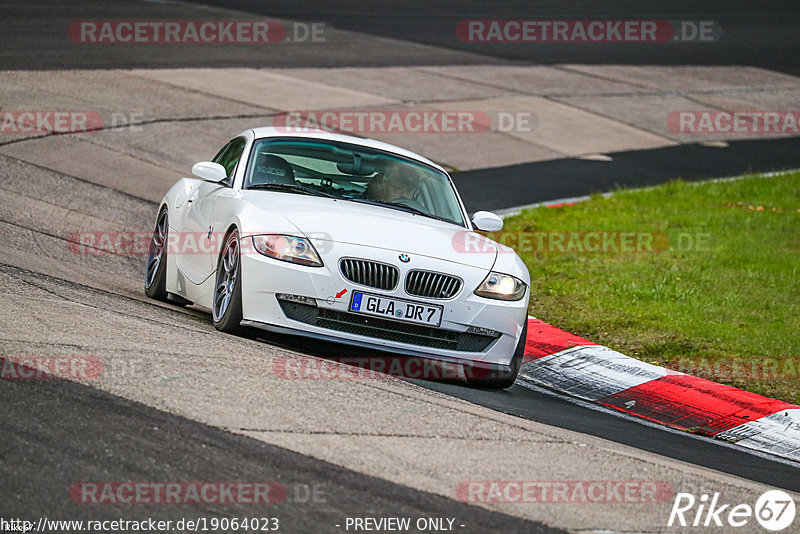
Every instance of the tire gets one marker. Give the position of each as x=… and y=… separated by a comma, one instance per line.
x=504, y=379
x=227, y=303
x=155, y=274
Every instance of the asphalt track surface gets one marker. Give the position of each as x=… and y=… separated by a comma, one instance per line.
x=763, y=34
x=537, y=404
x=518, y=185
x=545, y=408
x=55, y=433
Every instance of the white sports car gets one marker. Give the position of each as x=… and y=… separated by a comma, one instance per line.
x=343, y=239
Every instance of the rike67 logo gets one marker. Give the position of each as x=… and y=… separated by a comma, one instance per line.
x=774, y=510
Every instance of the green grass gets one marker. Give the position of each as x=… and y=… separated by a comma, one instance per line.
x=737, y=296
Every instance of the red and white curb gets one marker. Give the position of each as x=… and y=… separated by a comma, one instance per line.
x=567, y=363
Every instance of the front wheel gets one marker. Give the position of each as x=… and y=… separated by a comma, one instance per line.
x=155, y=275
x=504, y=379
x=227, y=308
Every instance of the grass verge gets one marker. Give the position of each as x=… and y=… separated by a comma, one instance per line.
x=716, y=295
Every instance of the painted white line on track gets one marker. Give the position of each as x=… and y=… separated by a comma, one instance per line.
x=510, y=212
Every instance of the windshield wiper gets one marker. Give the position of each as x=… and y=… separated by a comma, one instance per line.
x=293, y=188
x=402, y=207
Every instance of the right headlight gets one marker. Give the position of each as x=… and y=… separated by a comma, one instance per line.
x=287, y=248
x=502, y=287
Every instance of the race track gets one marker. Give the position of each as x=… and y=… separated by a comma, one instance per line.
x=179, y=401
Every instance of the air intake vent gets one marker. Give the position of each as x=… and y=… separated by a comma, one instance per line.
x=432, y=285
x=353, y=323
x=369, y=273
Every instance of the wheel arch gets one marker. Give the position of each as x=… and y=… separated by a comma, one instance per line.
x=233, y=226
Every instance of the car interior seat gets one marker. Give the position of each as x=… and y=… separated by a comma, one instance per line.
x=376, y=189
x=270, y=169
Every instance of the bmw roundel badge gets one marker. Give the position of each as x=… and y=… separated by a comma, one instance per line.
x=404, y=258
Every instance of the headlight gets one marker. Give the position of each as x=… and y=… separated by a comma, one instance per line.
x=502, y=287
x=287, y=248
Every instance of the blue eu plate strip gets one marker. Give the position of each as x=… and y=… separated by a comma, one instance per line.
x=357, y=300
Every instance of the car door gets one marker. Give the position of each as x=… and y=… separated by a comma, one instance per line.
x=199, y=240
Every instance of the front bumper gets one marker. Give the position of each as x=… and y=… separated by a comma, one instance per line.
x=331, y=319
x=467, y=367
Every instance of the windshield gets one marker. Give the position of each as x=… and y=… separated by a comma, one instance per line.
x=351, y=172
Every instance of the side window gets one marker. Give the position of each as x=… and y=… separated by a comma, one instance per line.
x=229, y=157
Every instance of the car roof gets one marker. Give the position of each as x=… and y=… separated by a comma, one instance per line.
x=271, y=131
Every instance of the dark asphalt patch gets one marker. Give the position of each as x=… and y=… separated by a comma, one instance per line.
x=518, y=185
x=763, y=34
x=34, y=35
x=58, y=433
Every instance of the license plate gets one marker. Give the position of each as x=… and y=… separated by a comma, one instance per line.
x=397, y=309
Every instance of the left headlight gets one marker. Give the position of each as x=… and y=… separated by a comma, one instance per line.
x=502, y=287
x=287, y=248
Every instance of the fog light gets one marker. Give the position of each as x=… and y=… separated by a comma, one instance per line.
x=482, y=331
x=296, y=298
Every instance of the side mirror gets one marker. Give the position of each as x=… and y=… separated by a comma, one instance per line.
x=486, y=221
x=209, y=171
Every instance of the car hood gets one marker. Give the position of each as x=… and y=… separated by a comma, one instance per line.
x=342, y=221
